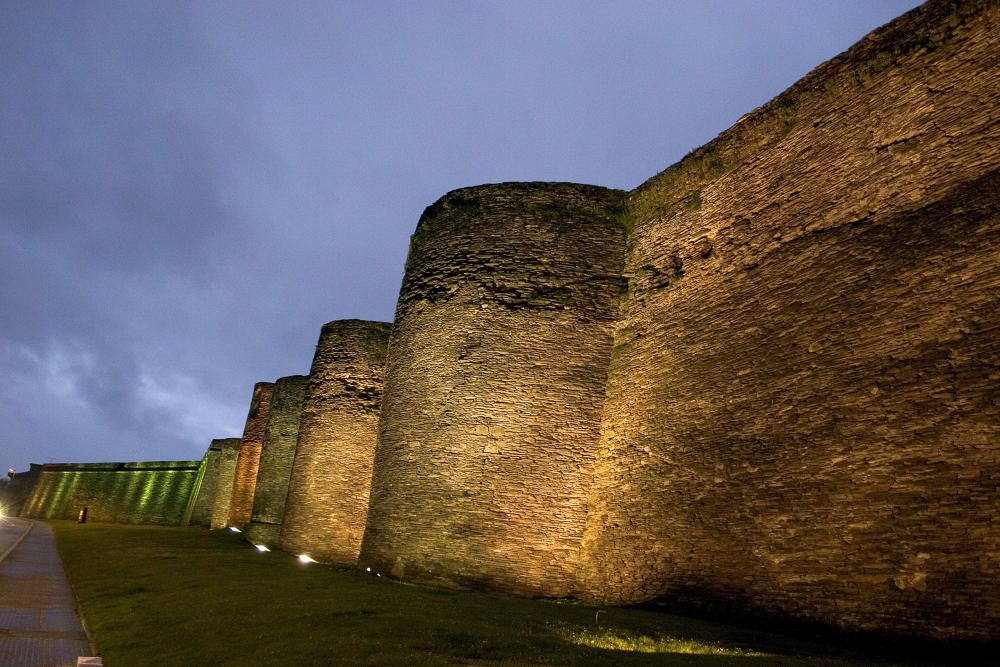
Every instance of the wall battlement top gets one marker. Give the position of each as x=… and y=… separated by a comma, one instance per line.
x=926, y=28
x=218, y=444
x=112, y=466
x=527, y=196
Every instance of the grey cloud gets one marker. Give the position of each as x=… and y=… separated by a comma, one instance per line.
x=189, y=190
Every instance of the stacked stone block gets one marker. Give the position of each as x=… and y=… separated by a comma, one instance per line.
x=277, y=454
x=327, y=499
x=802, y=415
x=248, y=461
x=494, y=386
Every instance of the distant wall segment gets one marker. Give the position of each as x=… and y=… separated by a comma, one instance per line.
x=216, y=482
x=494, y=387
x=328, y=494
x=248, y=461
x=229, y=454
x=151, y=492
x=277, y=454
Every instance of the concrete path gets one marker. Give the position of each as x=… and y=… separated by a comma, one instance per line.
x=39, y=626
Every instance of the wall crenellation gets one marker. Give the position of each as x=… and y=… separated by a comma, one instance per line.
x=764, y=381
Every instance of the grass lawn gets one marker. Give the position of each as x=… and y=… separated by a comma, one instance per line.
x=190, y=597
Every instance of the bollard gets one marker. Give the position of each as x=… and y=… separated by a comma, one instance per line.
x=82, y=516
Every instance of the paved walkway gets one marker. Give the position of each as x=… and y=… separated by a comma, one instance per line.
x=39, y=626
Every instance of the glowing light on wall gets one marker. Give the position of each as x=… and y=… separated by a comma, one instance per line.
x=305, y=559
x=141, y=492
x=261, y=548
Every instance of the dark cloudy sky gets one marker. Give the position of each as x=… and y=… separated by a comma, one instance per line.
x=188, y=190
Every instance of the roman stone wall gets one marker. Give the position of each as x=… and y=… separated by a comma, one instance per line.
x=494, y=386
x=210, y=487
x=802, y=414
x=277, y=454
x=14, y=492
x=155, y=492
x=765, y=381
x=327, y=498
x=245, y=476
x=222, y=495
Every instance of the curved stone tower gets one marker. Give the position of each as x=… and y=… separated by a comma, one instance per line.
x=245, y=477
x=494, y=388
x=277, y=454
x=328, y=494
x=204, y=501
x=222, y=494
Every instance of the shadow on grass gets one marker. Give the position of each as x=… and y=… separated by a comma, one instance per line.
x=187, y=596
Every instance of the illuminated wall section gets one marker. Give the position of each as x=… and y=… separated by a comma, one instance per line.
x=245, y=475
x=803, y=411
x=16, y=492
x=277, y=454
x=328, y=494
x=222, y=495
x=211, y=482
x=494, y=385
x=154, y=492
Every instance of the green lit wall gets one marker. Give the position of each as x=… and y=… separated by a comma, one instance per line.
x=142, y=492
x=216, y=483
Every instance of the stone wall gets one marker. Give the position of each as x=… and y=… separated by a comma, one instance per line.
x=802, y=414
x=328, y=494
x=277, y=454
x=766, y=381
x=228, y=457
x=212, y=481
x=155, y=492
x=245, y=476
x=494, y=386
x=14, y=492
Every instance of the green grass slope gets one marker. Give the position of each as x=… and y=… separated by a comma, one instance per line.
x=155, y=595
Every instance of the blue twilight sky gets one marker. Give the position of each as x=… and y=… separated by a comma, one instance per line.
x=188, y=190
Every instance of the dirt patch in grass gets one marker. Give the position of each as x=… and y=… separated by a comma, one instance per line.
x=187, y=596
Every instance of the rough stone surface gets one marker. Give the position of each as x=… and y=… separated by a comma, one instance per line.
x=494, y=386
x=328, y=494
x=142, y=492
x=204, y=500
x=222, y=495
x=14, y=493
x=245, y=477
x=277, y=454
x=802, y=414
x=779, y=397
